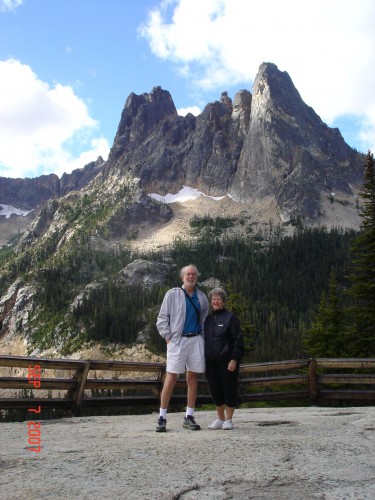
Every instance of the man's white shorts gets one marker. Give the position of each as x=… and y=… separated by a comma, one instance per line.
x=188, y=353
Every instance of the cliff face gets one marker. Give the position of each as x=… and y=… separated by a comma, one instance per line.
x=165, y=150
x=269, y=144
x=289, y=153
x=266, y=145
x=27, y=194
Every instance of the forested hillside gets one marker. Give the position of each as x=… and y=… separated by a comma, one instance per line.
x=309, y=293
x=274, y=284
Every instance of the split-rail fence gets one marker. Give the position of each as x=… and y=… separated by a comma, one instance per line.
x=32, y=382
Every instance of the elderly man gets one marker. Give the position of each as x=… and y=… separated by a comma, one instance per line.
x=180, y=322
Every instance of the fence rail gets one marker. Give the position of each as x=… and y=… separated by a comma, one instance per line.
x=33, y=382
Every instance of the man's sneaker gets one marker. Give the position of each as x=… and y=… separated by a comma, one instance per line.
x=216, y=424
x=189, y=423
x=162, y=425
x=227, y=425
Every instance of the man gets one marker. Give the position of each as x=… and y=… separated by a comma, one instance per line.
x=180, y=322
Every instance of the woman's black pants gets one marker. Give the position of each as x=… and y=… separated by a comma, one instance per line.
x=222, y=383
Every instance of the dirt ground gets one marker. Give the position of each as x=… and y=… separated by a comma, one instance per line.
x=258, y=214
x=283, y=453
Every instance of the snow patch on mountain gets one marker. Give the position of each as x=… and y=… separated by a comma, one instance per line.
x=8, y=210
x=185, y=194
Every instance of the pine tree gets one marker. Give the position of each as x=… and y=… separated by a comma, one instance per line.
x=325, y=338
x=361, y=331
x=237, y=305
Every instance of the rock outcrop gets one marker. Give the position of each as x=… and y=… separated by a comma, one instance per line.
x=16, y=307
x=80, y=177
x=124, y=222
x=289, y=153
x=145, y=272
x=27, y=194
x=269, y=144
x=166, y=151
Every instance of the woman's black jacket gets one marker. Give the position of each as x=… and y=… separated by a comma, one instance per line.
x=223, y=336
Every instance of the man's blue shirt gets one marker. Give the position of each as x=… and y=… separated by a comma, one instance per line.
x=192, y=324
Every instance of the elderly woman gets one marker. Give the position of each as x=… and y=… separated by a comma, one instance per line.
x=224, y=349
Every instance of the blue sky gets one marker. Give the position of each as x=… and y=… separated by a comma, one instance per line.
x=68, y=66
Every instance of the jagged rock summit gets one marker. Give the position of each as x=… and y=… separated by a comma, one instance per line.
x=266, y=145
x=166, y=151
x=289, y=153
x=266, y=148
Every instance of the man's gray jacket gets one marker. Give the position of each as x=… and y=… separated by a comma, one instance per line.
x=171, y=318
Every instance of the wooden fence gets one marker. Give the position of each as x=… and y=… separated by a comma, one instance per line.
x=40, y=383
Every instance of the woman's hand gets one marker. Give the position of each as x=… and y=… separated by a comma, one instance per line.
x=232, y=365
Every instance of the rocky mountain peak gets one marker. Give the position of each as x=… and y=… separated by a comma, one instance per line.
x=265, y=147
x=226, y=100
x=140, y=116
x=289, y=154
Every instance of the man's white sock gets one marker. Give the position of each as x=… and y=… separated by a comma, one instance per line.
x=189, y=411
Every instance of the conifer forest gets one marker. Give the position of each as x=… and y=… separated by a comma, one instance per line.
x=310, y=293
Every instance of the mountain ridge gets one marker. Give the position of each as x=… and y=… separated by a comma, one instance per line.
x=268, y=144
x=267, y=155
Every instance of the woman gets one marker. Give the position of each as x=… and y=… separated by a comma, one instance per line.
x=223, y=351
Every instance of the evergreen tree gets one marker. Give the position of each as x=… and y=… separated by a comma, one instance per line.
x=361, y=331
x=325, y=338
x=237, y=305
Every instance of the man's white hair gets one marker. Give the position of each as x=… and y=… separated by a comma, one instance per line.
x=183, y=270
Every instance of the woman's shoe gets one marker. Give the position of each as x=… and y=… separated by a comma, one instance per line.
x=216, y=424
x=227, y=425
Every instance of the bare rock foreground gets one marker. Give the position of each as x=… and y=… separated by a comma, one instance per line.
x=283, y=453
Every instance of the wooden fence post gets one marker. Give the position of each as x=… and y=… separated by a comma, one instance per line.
x=81, y=382
x=313, y=382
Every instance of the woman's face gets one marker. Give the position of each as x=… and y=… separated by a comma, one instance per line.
x=217, y=302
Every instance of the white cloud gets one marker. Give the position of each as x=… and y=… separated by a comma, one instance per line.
x=194, y=110
x=9, y=4
x=326, y=46
x=41, y=127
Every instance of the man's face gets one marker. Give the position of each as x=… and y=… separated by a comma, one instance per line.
x=189, y=279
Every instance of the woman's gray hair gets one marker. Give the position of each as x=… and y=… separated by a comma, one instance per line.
x=183, y=270
x=218, y=291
